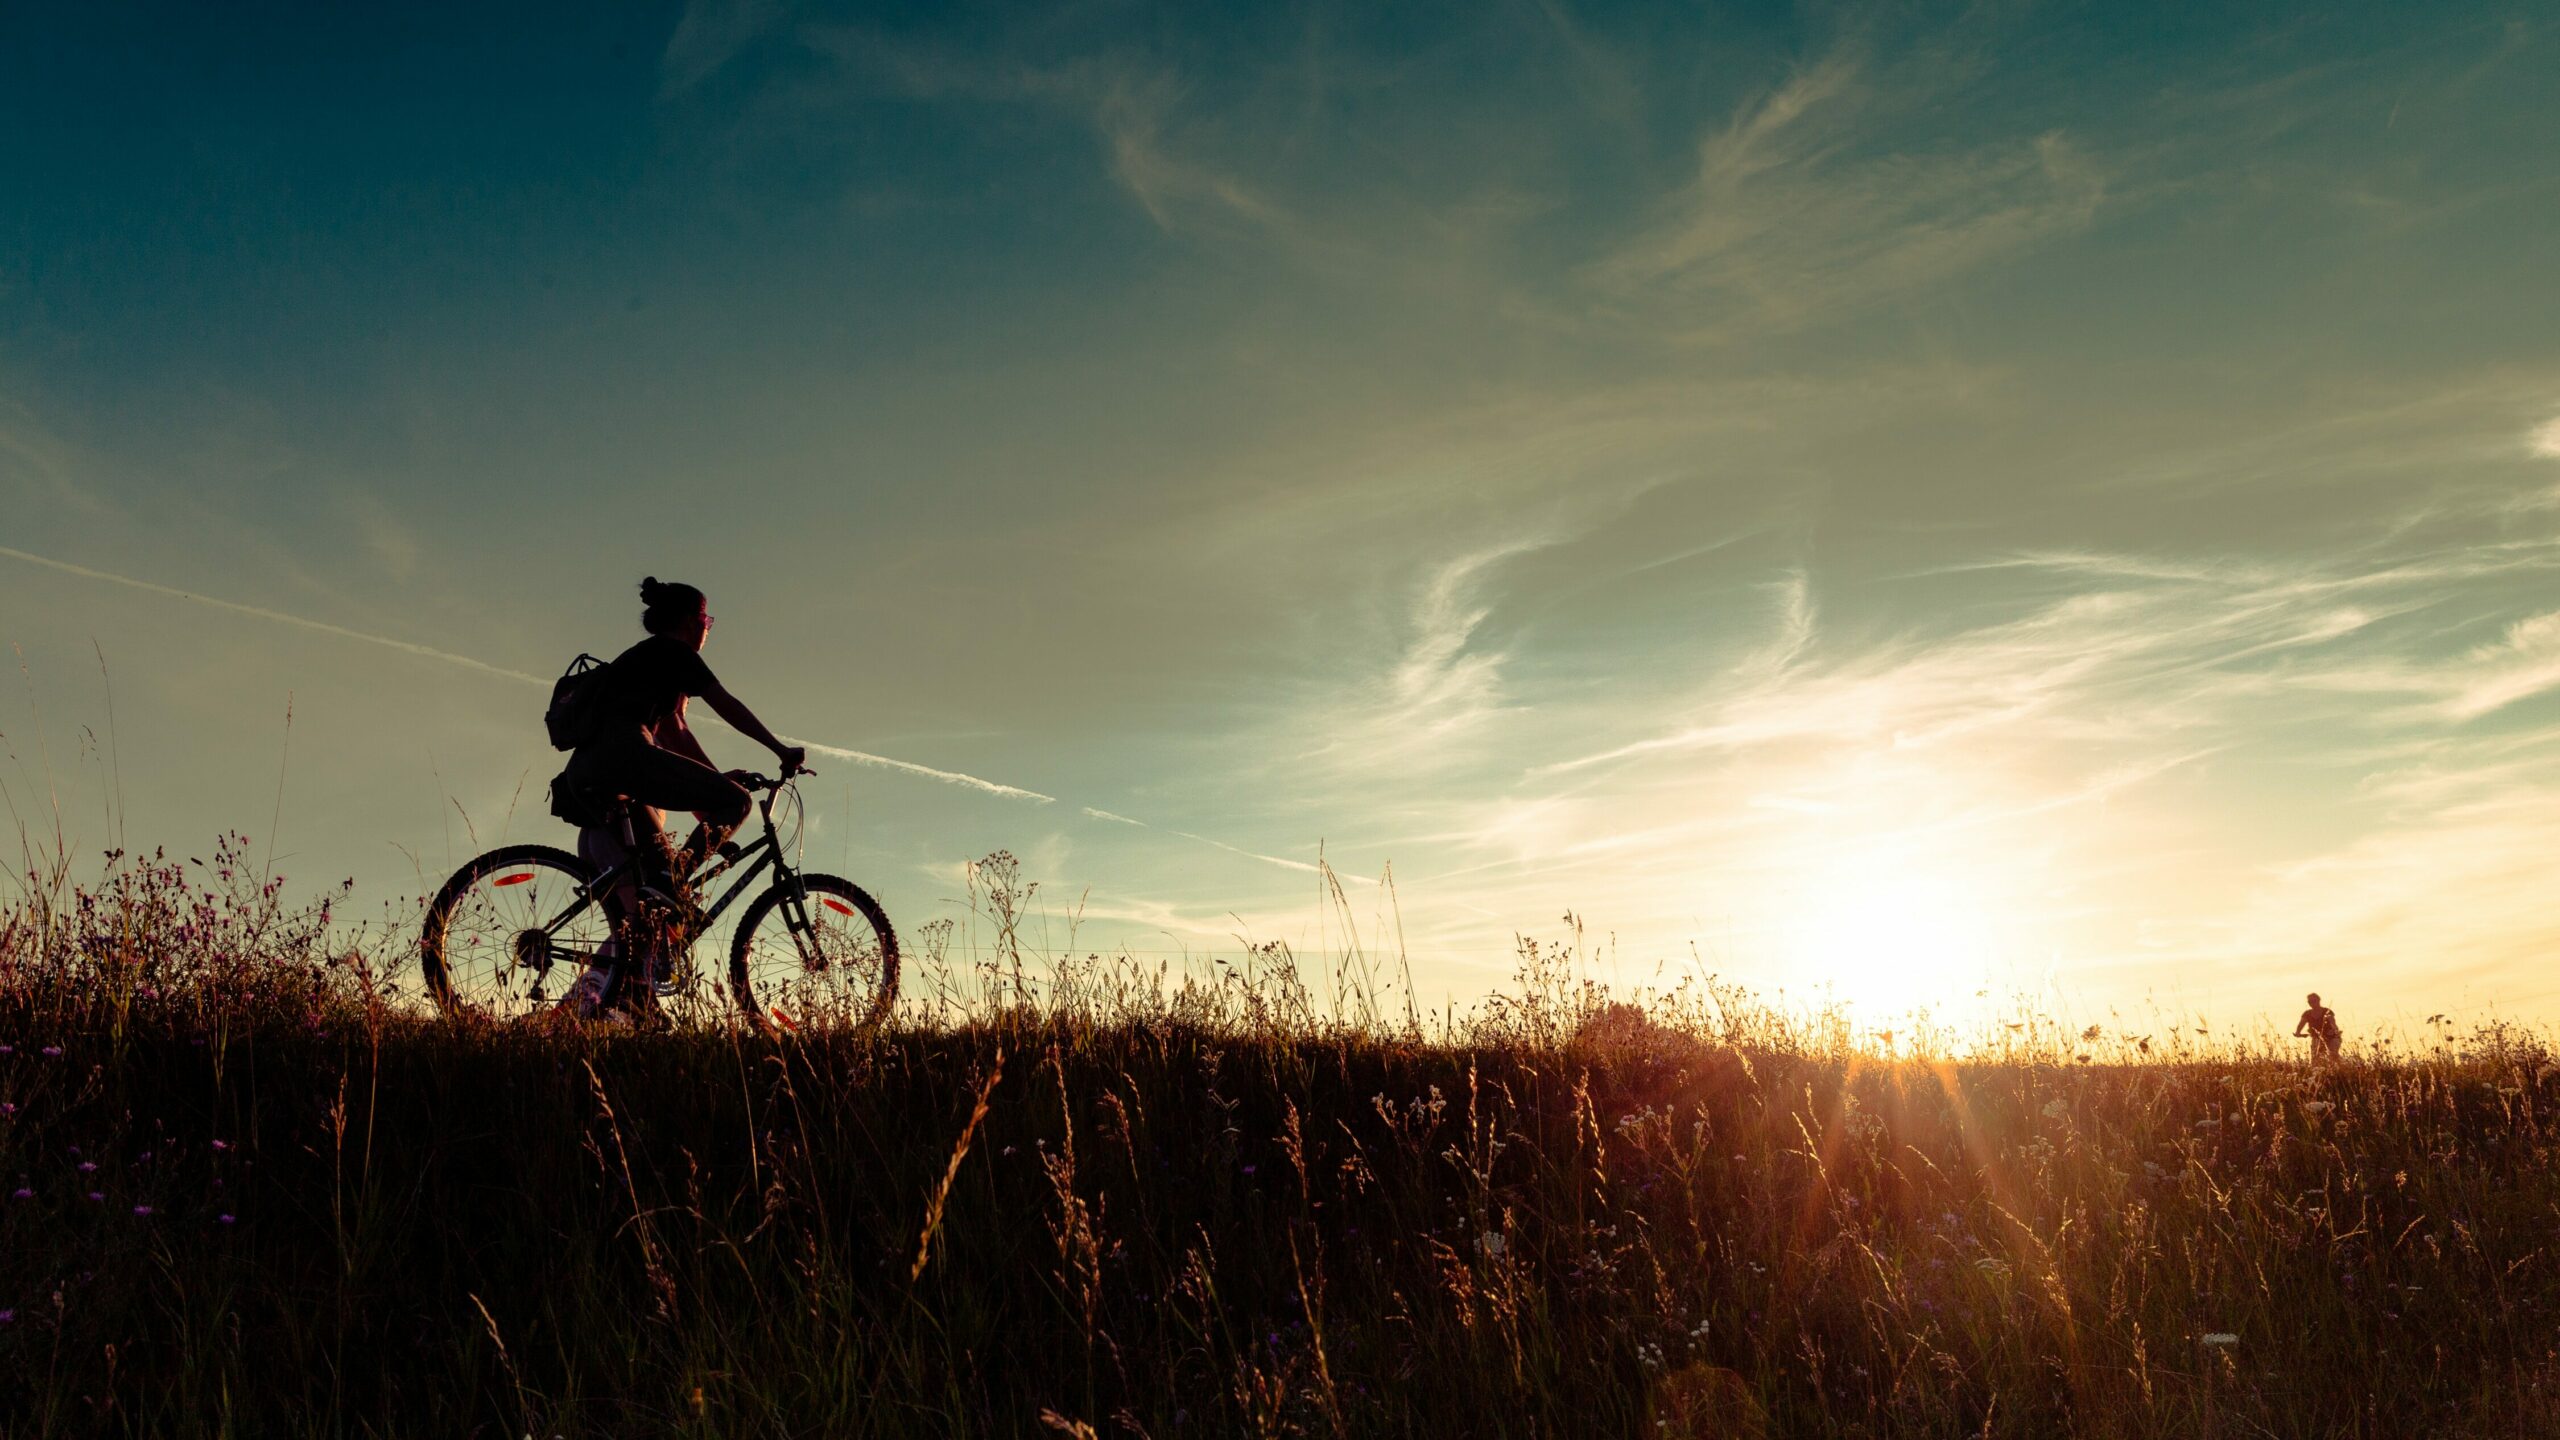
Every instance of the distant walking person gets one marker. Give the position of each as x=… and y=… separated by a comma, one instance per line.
x=2321, y=1024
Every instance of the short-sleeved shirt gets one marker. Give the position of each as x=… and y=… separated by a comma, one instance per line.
x=2320, y=1021
x=644, y=682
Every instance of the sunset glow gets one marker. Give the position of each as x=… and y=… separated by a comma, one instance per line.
x=1890, y=932
x=1878, y=503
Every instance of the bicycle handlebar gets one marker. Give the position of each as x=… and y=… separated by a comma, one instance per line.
x=752, y=781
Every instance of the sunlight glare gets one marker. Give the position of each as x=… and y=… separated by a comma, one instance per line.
x=1886, y=931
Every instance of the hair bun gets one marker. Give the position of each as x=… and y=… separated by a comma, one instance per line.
x=650, y=590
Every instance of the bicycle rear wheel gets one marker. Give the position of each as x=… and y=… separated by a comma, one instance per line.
x=838, y=970
x=510, y=932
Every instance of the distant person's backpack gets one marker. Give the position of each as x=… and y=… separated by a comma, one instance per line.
x=575, y=698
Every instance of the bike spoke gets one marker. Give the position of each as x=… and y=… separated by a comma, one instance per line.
x=511, y=943
x=815, y=959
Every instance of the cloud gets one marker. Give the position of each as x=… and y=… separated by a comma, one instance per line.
x=39, y=466
x=394, y=547
x=2523, y=663
x=1439, y=685
x=2545, y=439
x=708, y=36
x=1802, y=208
x=1132, y=112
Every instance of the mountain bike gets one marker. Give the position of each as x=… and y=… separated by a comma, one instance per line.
x=512, y=931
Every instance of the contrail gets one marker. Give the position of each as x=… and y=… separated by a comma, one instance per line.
x=947, y=777
x=278, y=616
x=859, y=757
x=429, y=652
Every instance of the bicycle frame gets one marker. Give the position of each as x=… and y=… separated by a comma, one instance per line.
x=767, y=852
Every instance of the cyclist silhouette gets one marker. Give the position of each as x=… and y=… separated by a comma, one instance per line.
x=2321, y=1024
x=643, y=750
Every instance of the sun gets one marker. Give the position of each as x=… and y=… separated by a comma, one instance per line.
x=1885, y=930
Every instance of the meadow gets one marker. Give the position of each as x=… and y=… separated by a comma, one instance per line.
x=247, y=1187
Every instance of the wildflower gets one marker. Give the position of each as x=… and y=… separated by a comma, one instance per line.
x=225, y=1145
x=53, y=1050
x=2318, y=1107
x=8, y=1317
x=97, y=1195
x=144, y=1210
x=2221, y=1340
x=225, y=1217
x=23, y=1193
x=8, y=1107
x=88, y=1165
x=2056, y=1109
x=1492, y=1244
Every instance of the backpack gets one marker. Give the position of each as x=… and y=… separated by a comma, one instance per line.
x=574, y=696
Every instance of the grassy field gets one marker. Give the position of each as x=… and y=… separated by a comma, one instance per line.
x=249, y=1191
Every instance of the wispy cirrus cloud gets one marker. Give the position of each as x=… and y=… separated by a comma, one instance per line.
x=40, y=467
x=1802, y=208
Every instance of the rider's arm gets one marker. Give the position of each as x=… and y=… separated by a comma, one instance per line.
x=730, y=708
x=2303, y=1025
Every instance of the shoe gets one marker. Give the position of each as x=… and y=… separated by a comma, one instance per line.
x=586, y=995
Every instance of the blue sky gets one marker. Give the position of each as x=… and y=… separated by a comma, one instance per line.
x=1877, y=497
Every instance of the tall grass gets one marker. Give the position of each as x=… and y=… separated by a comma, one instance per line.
x=248, y=1188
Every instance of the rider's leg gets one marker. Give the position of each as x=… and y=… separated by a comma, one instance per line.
x=678, y=782
x=654, y=780
x=611, y=845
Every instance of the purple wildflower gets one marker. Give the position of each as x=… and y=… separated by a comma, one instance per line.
x=224, y=1217
x=53, y=1049
x=141, y=1209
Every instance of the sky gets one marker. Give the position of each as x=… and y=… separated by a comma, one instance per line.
x=1878, y=503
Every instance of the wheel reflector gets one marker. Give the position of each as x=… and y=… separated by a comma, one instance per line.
x=837, y=906
x=513, y=879
x=787, y=1022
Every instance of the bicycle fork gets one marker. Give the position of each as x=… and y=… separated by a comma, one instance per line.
x=795, y=918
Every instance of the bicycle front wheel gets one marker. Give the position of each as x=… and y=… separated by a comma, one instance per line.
x=510, y=932
x=824, y=957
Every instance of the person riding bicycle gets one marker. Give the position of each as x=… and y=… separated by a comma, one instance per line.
x=2321, y=1024
x=642, y=750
